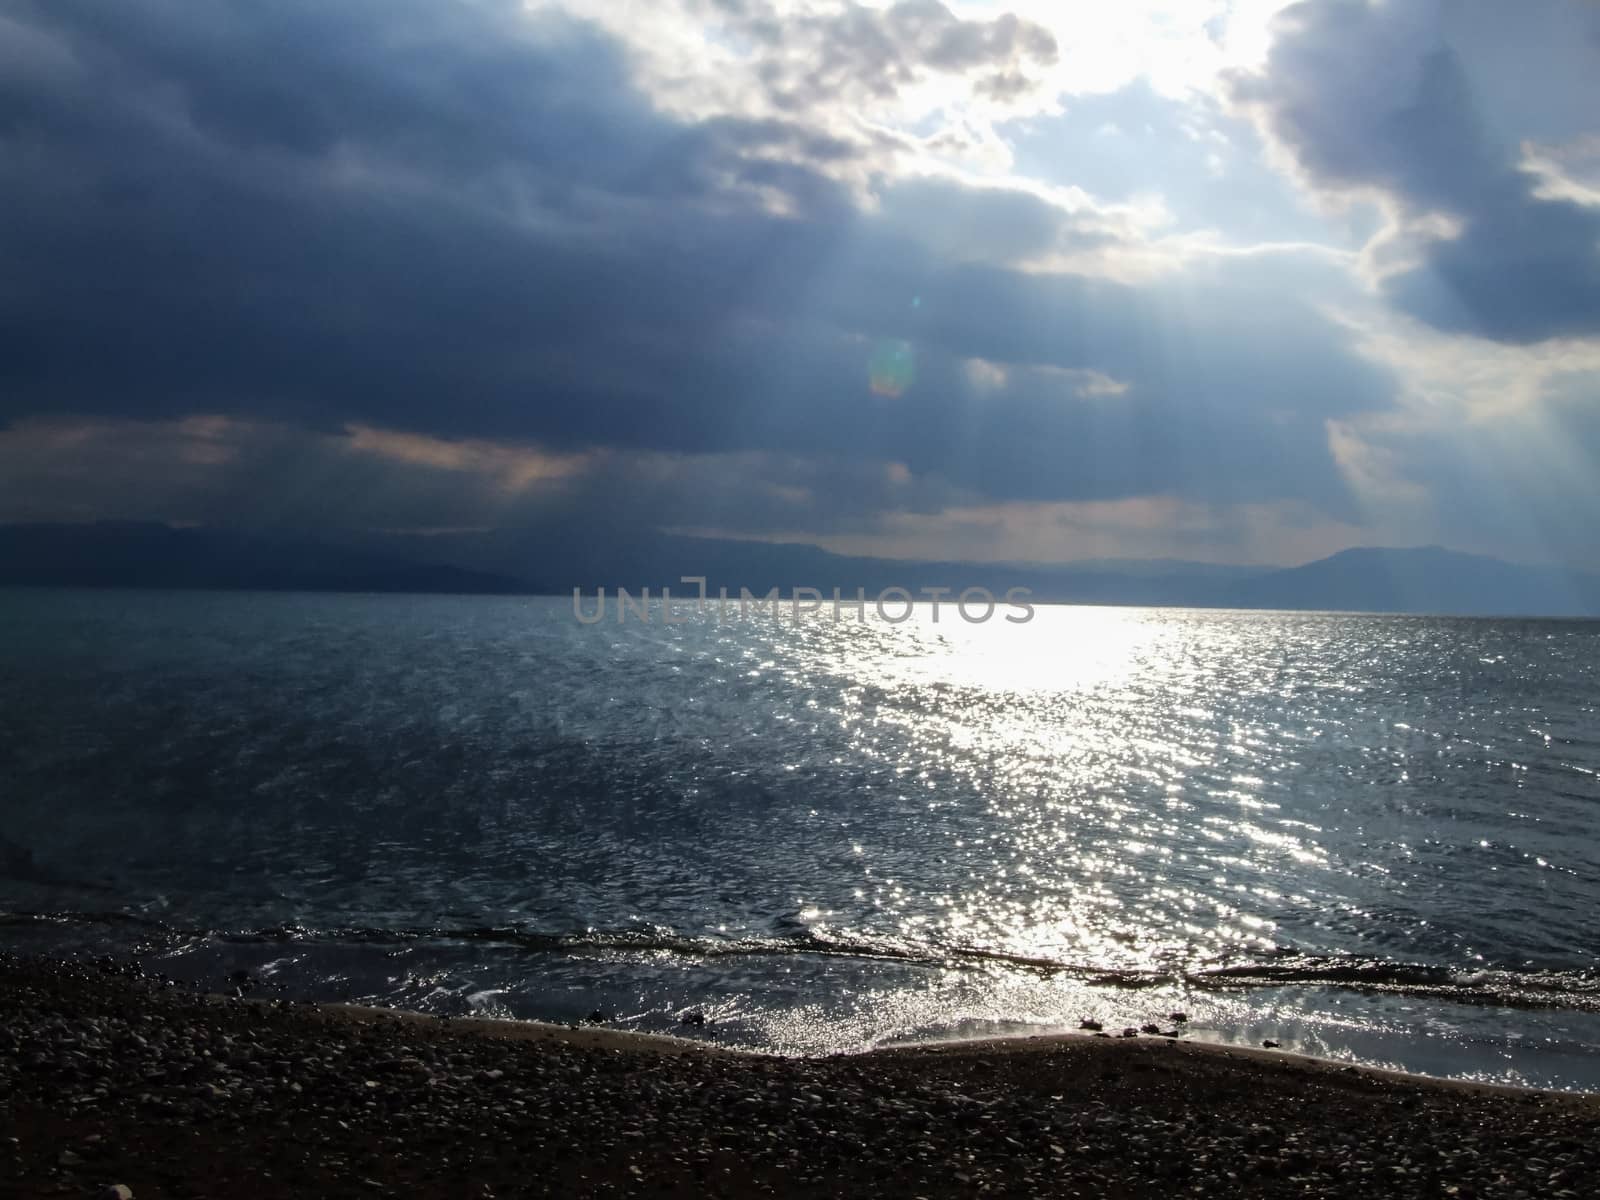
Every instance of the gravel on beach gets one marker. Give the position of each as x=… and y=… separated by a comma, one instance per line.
x=109, y=1080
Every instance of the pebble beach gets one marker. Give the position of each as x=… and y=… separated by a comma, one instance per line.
x=116, y=1085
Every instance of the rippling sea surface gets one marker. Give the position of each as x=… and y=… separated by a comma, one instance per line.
x=1365, y=837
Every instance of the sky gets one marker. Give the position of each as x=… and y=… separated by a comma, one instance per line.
x=1026, y=281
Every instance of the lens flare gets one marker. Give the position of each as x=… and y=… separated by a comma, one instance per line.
x=891, y=370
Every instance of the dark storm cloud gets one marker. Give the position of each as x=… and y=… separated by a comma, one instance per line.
x=284, y=479
x=459, y=219
x=1368, y=96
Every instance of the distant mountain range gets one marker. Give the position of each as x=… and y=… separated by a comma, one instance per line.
x=142, y=554
x=1422, y=580
x=1429, y=579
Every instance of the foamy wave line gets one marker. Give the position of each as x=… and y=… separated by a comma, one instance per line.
x=1577, y=990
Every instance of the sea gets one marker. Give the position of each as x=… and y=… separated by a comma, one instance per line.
x=1369, y=838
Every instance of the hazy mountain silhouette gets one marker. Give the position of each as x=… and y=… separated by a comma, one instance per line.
x=136, y=554
x=1423, y=580
x=759, y=566
x=142, y=554
x=1428, y=579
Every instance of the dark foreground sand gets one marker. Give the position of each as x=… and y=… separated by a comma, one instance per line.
x=108, y=1079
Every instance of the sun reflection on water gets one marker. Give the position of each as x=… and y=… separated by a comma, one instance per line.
x=1041, y=760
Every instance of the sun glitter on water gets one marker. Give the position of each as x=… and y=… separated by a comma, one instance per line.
x=892, y=369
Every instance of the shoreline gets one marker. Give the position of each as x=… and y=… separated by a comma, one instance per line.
x=599, y=1036
x=107, y=1077
x=1447, y=1037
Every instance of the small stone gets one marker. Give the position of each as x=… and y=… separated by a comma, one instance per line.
x=116, y=1191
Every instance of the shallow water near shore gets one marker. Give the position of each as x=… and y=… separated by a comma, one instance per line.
x=1362, y=837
